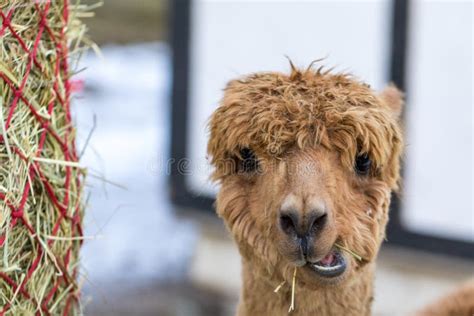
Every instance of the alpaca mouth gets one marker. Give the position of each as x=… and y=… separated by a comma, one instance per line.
x=332, y=265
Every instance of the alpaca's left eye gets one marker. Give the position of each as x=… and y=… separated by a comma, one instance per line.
x=249, y=160
x=363, y=164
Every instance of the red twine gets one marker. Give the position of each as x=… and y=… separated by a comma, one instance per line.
x=35, y=172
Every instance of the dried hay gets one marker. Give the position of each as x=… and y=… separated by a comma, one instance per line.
x=41, y=182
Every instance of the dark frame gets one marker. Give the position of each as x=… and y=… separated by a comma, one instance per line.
x=180, y=35
x=397, y=234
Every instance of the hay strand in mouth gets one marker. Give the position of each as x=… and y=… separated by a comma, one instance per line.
x=293, y=287
x=352, y=253
x=293, y=283
x=279, y=287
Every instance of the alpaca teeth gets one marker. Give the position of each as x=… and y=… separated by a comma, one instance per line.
x=326, y=268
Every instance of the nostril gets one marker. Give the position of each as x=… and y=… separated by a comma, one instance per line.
x=288, y=223
x=321, y=220
x=318, y=221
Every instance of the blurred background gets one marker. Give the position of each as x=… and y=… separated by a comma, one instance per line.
x=154, y=245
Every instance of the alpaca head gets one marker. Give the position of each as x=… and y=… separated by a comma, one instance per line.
x=306, y=164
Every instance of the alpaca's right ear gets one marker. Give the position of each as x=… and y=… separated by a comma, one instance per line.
x=393, y=99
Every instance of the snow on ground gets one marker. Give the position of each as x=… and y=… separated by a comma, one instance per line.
x=136, y=236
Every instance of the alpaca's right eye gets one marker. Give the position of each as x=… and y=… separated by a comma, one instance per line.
x=363, y=164
x=248, y=162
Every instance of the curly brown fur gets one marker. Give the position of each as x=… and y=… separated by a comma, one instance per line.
x=305, y=131
x=458, y=303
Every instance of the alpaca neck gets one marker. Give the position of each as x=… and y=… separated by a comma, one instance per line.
x=259, y=298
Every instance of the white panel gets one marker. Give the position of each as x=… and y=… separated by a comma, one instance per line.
x=233, y=38
x=438, y=181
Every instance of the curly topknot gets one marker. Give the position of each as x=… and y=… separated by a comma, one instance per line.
x=271, y=112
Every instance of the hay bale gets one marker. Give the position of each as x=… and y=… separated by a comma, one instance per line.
x=41, y=181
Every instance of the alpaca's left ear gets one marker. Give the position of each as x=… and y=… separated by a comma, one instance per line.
x=393, y=99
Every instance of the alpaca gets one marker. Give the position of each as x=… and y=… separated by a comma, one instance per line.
x=306, y=163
